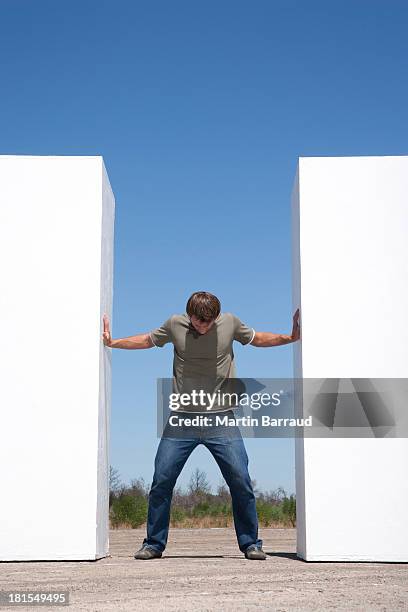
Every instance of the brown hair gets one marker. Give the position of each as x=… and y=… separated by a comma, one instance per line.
x=203, y=305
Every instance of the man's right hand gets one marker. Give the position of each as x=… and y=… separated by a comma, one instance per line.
x=106, y=336
x=140, y=341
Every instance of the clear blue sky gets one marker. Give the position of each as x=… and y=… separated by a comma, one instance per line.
x=200, y=111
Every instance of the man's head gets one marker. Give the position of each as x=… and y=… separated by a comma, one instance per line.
x=203, y=308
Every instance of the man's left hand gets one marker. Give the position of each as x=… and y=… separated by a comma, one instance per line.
x=296, y=327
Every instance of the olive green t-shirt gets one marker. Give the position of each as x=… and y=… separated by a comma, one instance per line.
x=203, y=361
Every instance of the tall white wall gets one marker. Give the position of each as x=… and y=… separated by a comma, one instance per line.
x=350, y=270
x=56, y=248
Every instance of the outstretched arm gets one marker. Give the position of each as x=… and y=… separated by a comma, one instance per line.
x=140, y=341
x=270, y=339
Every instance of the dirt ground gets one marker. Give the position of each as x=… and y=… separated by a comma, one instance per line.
x=203, y=569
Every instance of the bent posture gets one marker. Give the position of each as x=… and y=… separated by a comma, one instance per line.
x=202, y=339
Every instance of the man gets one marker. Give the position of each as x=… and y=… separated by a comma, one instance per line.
x=203, y=357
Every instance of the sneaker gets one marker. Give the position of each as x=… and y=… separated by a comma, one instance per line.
x=255, y=552
x=146, y=552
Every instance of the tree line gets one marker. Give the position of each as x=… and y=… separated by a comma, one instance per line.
x=197, y=505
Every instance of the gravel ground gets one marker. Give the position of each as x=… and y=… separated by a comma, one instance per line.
x=203, y=569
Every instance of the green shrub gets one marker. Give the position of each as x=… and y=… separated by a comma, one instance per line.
x=201, y=509
x=129, y=510
x=268, y=513
x=220, y=510
x=177, y=514
x=289, y=509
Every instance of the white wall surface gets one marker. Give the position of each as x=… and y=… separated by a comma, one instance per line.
x=350, y=265
x=56, y=249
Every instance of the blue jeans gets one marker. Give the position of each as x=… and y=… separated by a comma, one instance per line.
x=226, y=445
